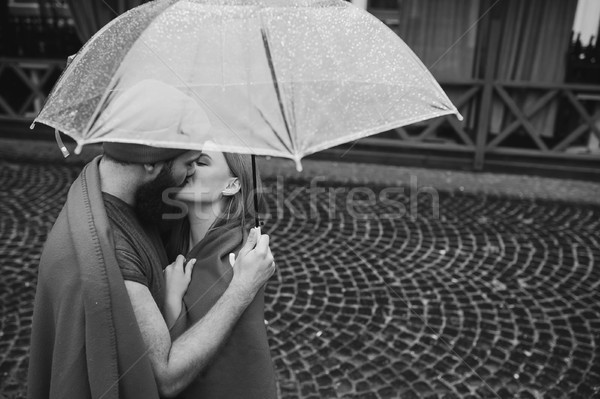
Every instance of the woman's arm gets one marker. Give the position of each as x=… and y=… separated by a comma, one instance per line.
x=177, y=281
x=173, y=309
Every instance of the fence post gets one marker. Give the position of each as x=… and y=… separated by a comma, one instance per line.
x=483, y=119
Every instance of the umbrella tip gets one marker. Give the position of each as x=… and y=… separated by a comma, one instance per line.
x=32, y=125
x=459, y=116
x=61, y=145
x=298, y=165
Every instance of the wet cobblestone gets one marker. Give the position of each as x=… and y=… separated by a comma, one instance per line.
x=495, y=298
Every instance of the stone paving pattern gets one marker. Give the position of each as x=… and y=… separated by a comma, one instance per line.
x=495, y=297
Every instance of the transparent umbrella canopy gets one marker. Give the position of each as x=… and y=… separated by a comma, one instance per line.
x=284, y=78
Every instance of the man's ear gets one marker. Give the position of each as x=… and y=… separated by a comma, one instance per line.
x=233, y=187
x=152, y=170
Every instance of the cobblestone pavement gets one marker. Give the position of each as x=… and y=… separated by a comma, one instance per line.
x=492, y=298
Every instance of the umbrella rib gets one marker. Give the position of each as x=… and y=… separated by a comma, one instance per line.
x=273, y=130
x=277, y=91
x=103, y=104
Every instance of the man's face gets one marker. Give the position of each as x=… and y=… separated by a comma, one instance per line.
x=150, y=205
x=184, y=166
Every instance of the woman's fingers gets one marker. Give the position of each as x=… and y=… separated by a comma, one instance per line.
x=170, y=267
x=179, y=262
x=189, y=268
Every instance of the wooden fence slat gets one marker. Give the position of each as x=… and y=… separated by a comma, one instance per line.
x=397, y=144
x=402, y=133
x=591, y=122
x=548, y=86
x=529, y=128
x=456, y=125
x=7, y=108
x=431, y=127
x=436, y=124
x=24, y=78
x=39, y=95
x=574, y=135
x=539, y=105
x=3, y=103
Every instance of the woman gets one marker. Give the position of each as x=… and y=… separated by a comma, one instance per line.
x=219, y=197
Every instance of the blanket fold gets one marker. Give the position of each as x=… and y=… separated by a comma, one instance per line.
x=243, y=367
x=85, y=340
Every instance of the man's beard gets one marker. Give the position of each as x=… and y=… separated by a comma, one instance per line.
x=149, y=204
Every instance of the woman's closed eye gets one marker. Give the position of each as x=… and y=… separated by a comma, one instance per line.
x=204, y=160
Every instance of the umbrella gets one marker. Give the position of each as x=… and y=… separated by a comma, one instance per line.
x=282, y=78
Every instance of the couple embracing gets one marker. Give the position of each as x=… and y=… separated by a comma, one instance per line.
x=129, y=305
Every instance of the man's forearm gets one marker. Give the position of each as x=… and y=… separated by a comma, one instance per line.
x=192, y=351
x=176, y=364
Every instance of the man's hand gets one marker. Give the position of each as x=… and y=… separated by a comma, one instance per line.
x=253, y=266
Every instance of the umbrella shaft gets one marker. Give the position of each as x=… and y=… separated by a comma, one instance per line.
x=256, y=219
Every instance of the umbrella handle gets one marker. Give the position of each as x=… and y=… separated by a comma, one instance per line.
x=256, y=218
x=60, y=143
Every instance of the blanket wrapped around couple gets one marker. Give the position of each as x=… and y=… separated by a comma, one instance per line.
x=243, y=367
x=85, y=340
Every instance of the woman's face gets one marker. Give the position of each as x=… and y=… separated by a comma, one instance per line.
x=211, y=180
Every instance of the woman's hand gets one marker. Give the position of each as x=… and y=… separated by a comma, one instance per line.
x=177, y=280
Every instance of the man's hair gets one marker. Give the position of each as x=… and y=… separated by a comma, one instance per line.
x=168, y=163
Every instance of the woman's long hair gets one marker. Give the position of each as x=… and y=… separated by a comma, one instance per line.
x=238, y=209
